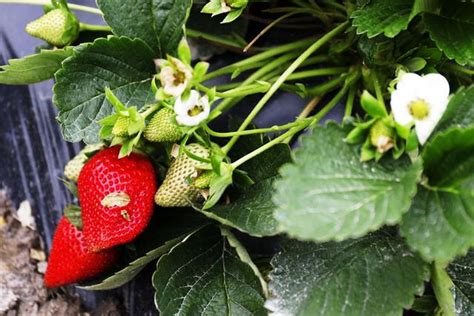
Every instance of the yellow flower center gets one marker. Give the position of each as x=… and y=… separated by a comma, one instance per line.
x=196, y=110
x=179, y=77
x=419, y=109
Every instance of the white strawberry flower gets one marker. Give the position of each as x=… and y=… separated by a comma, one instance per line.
x=421, y=100
x=174, y=76
x=193, y=110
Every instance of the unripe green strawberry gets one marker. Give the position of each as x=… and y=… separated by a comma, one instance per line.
x=74, y=166
x=203, y=180
x=120, y=128
x=177, y=190
x=381, y=136
x=163, y=128
x=58, y=27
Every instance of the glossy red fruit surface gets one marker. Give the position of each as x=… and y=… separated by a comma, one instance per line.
x=70, y=261
x=116, y=197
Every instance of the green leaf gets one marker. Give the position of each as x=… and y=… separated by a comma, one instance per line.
x=373, y=275
x=266, y=165
x=461, y=272
x=119, y=63
x=460, y=110
x=157, y=22
x=381, y=16
x=208, y=274
x=251, y=208
x=126, y=274
x=34, y=68
x=453, y=30
x=174, y=225
x=328, y=194
x=440, y=223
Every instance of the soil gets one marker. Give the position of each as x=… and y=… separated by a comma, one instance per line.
x=22, y=265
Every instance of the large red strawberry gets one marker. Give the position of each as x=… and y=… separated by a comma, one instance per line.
x=70, y=261
x=116, y=197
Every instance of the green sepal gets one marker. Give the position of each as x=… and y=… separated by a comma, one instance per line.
x=116, y=103
x=184, y=53
x=71, y=186
x=412, y=141
x=218, y=185
x=372, y=106
x=242, y=178
x=203, y=180
x=233, y=15
x=106, y=131
x=200, y=69
x=73, y=214
x=217, y=157
x=154, y=86
x=212, y=7
x=403, y=130
x=109, y=120
x=367, y=152
x=415, y=64
x=356, y=135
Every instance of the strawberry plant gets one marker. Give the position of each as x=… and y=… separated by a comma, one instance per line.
x=372, y=214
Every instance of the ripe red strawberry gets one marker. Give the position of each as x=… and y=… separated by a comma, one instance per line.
x=116, y=197
x=70, y=261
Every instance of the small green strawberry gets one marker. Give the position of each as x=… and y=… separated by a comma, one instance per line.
x=120, y=128
x=74, y=166
x=382, y=136
x=163, y=127
x=177, y=189
x=58, y=27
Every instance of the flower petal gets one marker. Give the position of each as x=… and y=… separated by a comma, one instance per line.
x=399, y=102
x=425, y=127
x=436, y=85
x=181, y=107
x=409, y=83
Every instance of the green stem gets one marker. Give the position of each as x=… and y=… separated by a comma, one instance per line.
x=240, y=91
x=271, y=129
x=269, y=53
x=308, y=52
x=212, y=38
x=94, y=28
x=335, y=5
x=306, y=111
x=442, y=285
x=317, y=72
x=458, y=69
x=378, y=89
x=327, y=86
x=150, y=110
x=255, y=76
x=71, y=6
x=350, y=102
x=304, y=123
x=267, y=146
x=351, y=79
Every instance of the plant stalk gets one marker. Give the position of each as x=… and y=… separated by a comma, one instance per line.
x=308, y=52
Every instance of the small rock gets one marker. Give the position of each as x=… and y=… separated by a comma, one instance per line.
x=24, y=215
